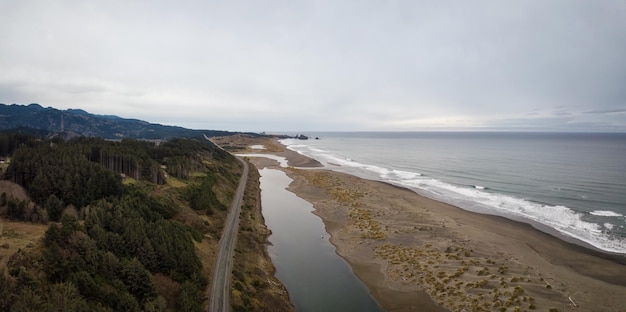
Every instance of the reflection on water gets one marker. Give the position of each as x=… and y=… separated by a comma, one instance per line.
x=315, y=276
x=281, y=160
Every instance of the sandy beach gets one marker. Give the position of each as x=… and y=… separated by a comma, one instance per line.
x=417, y=254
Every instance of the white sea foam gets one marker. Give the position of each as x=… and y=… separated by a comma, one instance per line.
x=257, y=147
x=297, y=145
x=606, y=213
x=561, y=218
x=609, y=226
x=406, y=175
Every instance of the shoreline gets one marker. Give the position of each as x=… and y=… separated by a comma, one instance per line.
x=501, y=251
x=553, y=233
x=296, y=159
x=415, y=253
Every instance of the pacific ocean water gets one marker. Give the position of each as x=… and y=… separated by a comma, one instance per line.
x=573, y=184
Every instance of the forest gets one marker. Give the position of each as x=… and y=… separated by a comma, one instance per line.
x=122, y=216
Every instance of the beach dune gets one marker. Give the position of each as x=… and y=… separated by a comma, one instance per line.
x=418, y=254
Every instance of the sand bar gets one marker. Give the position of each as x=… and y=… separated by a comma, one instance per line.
x=417, y=254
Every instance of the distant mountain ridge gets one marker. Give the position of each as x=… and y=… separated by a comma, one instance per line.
x=77, y=122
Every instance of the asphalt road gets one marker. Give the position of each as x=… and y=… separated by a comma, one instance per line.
x=222, y=274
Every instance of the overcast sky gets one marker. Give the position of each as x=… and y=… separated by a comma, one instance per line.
x=323, y=65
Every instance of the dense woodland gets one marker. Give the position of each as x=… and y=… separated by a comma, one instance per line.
x=114, y=240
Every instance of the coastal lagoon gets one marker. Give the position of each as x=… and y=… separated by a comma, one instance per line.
x=316, y=278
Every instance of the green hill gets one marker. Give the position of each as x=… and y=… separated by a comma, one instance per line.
x=76, y=122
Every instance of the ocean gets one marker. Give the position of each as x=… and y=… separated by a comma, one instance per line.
x=570, y=184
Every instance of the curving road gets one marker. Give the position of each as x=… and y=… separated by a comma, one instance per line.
x=219, y=300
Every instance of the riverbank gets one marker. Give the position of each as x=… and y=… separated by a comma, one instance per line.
x=255, y=286
x=416, y=254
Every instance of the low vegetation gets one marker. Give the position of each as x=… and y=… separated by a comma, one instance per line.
x=348, y=197
x=458, y=279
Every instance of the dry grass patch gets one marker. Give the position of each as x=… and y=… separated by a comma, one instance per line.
x=350, y=198
x=242, y=143
x=198, y=174
x=272, y=147
x=13, y=190
x=16, y=236
x=458, y=279
x=174, y=182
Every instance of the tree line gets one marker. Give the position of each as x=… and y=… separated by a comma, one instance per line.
x=111, y=246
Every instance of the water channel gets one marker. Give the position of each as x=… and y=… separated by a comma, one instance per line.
x=315, y=276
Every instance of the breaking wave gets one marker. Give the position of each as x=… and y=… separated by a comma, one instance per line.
x=481, y=199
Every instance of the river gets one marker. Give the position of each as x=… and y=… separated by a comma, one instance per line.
x=316, y=278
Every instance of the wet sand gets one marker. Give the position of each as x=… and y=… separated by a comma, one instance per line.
x=417, y=254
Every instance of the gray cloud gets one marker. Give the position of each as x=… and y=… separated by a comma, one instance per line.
x=607, y=111
x=323, y=65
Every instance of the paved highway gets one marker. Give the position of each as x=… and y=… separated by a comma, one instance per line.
x=222, y=274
